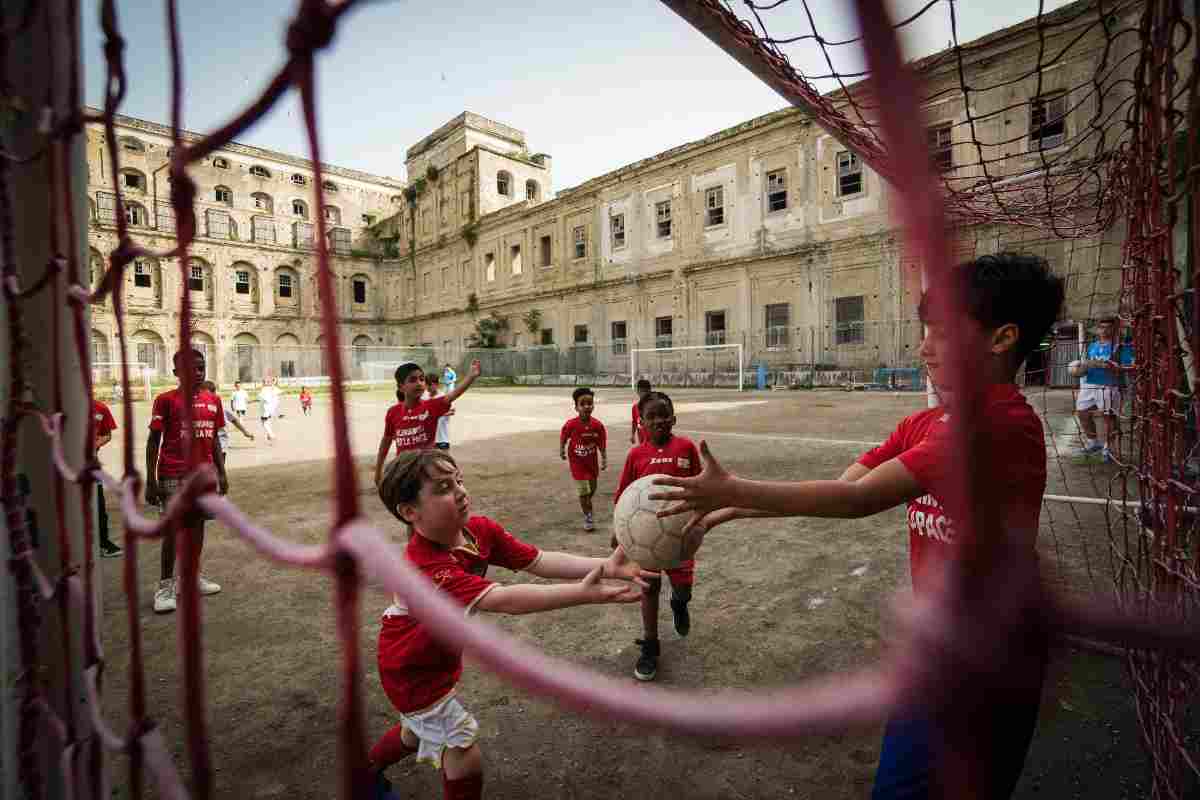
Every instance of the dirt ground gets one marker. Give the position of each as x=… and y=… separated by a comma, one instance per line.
x=776, y=601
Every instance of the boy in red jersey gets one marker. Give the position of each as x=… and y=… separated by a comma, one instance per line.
x=167, y=464
x=424, y=490
x=583, y=438
x=637, y=433
x=1011, y=302
x=412, y=423
x=104, y=426
x=662, y=454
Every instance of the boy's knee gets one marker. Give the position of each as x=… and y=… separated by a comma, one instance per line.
x=462, y=762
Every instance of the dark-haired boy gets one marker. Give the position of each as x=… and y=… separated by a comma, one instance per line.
x=583, y=444
x=412, y=423
x=1011, y=301
x=637, y=433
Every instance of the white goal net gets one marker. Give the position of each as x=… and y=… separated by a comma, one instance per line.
x=696, y=365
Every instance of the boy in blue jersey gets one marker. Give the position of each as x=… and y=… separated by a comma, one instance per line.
x=1100, y=390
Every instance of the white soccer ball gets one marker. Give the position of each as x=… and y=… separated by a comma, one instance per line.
x=1077, y=369
x=653, y=542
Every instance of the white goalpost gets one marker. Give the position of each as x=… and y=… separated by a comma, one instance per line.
x=691, y=365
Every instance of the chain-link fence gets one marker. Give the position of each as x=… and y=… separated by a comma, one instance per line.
x=294, y=364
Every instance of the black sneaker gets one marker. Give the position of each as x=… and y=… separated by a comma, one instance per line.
x=679, y=610
x=110, y=550
x=647, y=663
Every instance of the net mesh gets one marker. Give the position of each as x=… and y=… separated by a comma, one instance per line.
x=1063, y=189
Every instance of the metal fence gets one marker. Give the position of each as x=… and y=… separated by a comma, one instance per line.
x=296, y=364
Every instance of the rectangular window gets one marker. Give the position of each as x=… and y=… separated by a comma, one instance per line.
x=620, y=341
x=547, y=336
x=580, y=241
x=1048, y=121
x=581, y=334
x=777, y=322
x=445, y=278
x=489, y=267
x=360, y=291
x=849, y=170
x=466, y=273
x=224, y=196
x=714, y=327
x=218, y=224
x=662, y=219
x=241, y=282
x=464, y=205
x=106, y=207
x=514, y=258
x=339, y=240
x=547, y=254
x=776, y=190
x=662, y=331
x=262, y=229
x=714, y=206
x=166, y=217
x=196, y=278
x=132, y=180
x=302, y=235
x=147, y=354
x=941, y=150
x=617, y=226
x=285, y=285
x=142, y=277
x=848, y=317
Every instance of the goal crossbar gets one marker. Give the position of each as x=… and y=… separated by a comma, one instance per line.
x=735, y=346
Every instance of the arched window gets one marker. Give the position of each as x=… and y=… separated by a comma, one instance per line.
x=100, y=356
x=263, y=202
x=148, y=350
x=249, y=357
x=223, y=194
x=144, y=273
x=333, y=215
x=360, y=352
x=132, y=145
x=208, y=348
x=223, y=163
x=300, y=209
x=504, y=183
x=245, y=285
x=299, y=179
x=330, y=187
x=287, y=289
x=135, y=214
x=260, y=171
x=133, y=180
x=531, y=190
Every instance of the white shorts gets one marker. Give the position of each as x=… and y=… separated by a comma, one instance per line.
x=1106, y=399
x=446, y=723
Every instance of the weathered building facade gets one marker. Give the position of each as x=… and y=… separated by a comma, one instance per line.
x=771, y=234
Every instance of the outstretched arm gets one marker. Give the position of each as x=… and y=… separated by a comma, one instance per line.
x=527, y=598
x=472, y=374
x=237, y=423
x=552, y=564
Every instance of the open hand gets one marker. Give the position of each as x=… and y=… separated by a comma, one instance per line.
x=712, y=489
x=597, y=591
x=475, y=369
x=619, y=567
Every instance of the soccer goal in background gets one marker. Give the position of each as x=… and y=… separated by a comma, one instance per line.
x=106, y=380
x=695, y=365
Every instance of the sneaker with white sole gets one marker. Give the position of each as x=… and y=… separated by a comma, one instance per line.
x=588, y=523
x=206, y=586
x=164, y=596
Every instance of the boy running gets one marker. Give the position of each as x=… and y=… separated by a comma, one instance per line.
x=637, y=434
x=662, y=453
x=305, y=401
x=411, y=424
x=104, y=426
x=424, y=490
x=1100, y=391
x=268, y=406
x=583, y=438
x=1011, y=301
x=240, y=400
x=167, y=464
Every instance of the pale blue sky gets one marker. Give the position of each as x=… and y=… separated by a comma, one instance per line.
x=596, y=86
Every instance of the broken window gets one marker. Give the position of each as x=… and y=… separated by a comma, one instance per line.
x=941, y=151
x=580, y=241
x=241, y=282
x=850, y=177
x=617, y=225
x=662, y=217
x=776, y=191
x=1048, y=121
x=714, y=206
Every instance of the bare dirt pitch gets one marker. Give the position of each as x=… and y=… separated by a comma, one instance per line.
x=776, y=601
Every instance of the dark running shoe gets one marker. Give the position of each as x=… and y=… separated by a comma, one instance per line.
x=110, y=550
x=647, y=663
x=679, y=610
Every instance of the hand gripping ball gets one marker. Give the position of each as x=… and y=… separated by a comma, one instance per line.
x=651, y=541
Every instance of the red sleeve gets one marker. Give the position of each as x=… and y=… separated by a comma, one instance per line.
x=220, y=413
x=507, y=550
x=389, y=424
x=893, y=447
x=160, y=414
x=603, y=435
x=439, y=405
x=450, y=577
x=695, y=459
x=929, y=459
x=567, y=430
x=627, y=476
x=106, y=424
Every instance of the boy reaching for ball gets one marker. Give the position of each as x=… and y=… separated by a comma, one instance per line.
x=1011, y=301
x=424, y=490
x=583, y=444
x=662, y=453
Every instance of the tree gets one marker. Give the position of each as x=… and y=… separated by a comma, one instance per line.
x=487, y=332
x=532, y=320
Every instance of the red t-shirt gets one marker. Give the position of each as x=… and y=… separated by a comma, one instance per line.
x=104, y=418
x=637, y=423
x=584, y=441
x=678, y=458
x=417, y=670
x=1012, y=436
x=167, y=418
x=305, y=399
x=415, y=428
